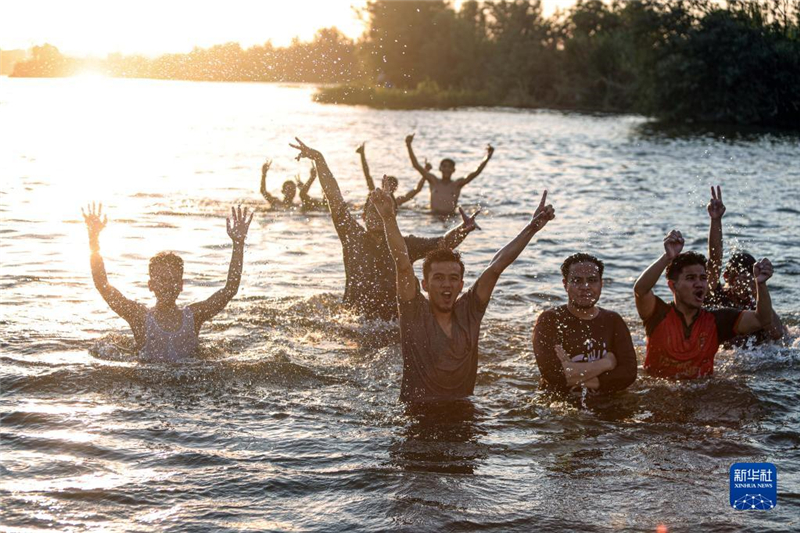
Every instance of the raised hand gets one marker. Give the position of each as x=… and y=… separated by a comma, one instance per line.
x=382, y=202
x=469, y=223
x=409, y=138
x=305, y=150
x=715, y=206
x=543, y=214
x=238, y=224
x=360, y=149
x=428, y=165
x=762, y=270
x=93, y=221
x=673, y=244
x=489, y=150
x=265, y=167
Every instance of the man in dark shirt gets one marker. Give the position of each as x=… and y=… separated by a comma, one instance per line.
x=739, y=290
x=439, y=336
x=369, y=270
x=682, y=337
x=581, y=344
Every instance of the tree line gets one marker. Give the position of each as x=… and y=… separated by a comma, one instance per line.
x=735, y=62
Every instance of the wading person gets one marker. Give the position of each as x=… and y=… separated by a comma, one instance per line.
x=439, y=334
x=581, y=344
x=683, y=337
x=370, y=287
x=445, y=191
x=739, y=291
x=167, y=332
x=389, y=183
x=289, y=190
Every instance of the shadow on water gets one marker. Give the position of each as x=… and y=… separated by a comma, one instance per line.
x=657, y=130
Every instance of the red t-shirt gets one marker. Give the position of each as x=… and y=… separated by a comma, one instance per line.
x=678, y=351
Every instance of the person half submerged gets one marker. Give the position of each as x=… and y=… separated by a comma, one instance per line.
x=389, y=183
x=166, y=332
x=370, y=288
x=290, y=190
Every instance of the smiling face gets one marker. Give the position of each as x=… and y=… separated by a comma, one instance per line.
x=443, y=285
x=691, y=286
x=583, y=285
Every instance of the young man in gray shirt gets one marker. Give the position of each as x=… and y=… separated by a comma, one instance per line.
x=439, y=336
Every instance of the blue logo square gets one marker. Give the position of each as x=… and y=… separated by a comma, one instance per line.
x=754, y=486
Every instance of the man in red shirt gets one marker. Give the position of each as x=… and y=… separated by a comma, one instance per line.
x=682, y=337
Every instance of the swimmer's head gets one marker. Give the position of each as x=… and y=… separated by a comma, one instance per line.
x=583, y=279
x=389, y=184
x=372, y=219
x=289, y=190
x=443, y=278
x=166, y=276
x=739, y=275
x=447, y=167
x=687, y=279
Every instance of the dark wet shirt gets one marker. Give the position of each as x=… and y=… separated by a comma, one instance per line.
x=437, y=367
x=584, y=341
x=720, y=297
x=371, y=279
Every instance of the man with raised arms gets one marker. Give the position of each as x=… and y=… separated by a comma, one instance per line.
x=683, y=337
x=289, y=190
x=739, y=290
x=369, y=270
x=581, y=344
x=439, y=336
x=445, y=191
x=389, y=183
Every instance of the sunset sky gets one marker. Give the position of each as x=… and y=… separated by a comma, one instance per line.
x=152, y=27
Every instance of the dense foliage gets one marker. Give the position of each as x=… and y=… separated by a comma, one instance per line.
x=735, y=62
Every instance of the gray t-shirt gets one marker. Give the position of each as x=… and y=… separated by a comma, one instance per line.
x=435, y=366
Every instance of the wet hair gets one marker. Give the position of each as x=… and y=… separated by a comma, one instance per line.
x=682, y=260
x=447, y=160
x=580, y=258
x=741, y=263
x=441, y=255
x=170, y=260
x=392, y=181
x=290, y=185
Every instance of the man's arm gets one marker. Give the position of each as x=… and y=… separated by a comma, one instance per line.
x=425, y=171
x=715, y=211
x=365, y=168
x=456, y=236
x=305, y=187
x=585, y=373
x=509, y=253
x=624, y=373
x=130, y=311
x=412, y=193
x=237, y=231
x=643, y=288
x=752, y=321
x=473, y=175
x=267, y=196
x=406, y=280
x=328, y=183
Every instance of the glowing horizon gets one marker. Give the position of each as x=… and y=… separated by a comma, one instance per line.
x=93, y=28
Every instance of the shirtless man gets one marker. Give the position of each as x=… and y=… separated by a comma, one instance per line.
x=389, y=183
x=369, y=270
x=445, y=191
x=289, y=191
x=580, y=344
x=740, y=287
x=683, y=337
x=439, y=335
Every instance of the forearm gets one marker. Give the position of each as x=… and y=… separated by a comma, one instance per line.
x=714, y=251
x=455, y=236
x=577, y=373
x=328, y=183
x=648, y=279
x=413, y=158
x=397, y=245
x=99, y=276
x=763, y=305
x=367, y=176
x=235, y=270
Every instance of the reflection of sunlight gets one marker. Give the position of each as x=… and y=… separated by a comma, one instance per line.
x=89, y=74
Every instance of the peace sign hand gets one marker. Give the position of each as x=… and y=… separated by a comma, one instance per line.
x=469, y=223
x=543, y=214
x=305, y=150
x=237, y=229
x=715, y=206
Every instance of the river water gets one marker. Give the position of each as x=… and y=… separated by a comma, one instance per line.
x=289, y=419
